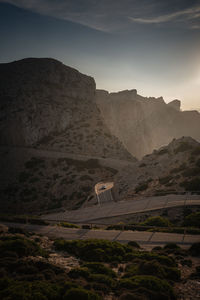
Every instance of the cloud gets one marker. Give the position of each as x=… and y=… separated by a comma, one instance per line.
x=114, y=15
x=188, y=14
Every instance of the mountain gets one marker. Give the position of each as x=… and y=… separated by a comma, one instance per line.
x=144, y=124
x=59, y=137
x=54, y=144
x=45, y=103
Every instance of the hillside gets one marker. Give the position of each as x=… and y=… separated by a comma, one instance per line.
x=170, y=169
x=144, y=124
x=50, y=107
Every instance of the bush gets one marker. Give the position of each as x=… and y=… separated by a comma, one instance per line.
x=80, y=294
x=153, y=268
x=133, y=244
x=171, y=246
x=98, y=268
x=151, y=283
x=21, y=246
x=94, y=250
x=193, y=220
x=104, y=279
x=18, y=290
x=156, y=221
x=68, y=225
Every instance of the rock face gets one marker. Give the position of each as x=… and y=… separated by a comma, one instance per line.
x=171, y=169
x=44, y=103
x=176, y=104
x=37, y=97
x=144, y=124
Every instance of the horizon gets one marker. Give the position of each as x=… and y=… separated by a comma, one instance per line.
x=151, y=46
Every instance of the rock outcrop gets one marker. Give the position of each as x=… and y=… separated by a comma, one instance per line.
x=168, y=170
x=46, y=104
x=144, y=124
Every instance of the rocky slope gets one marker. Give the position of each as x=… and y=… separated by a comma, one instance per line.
x=173, y=168
x=45, y=103
x=144, y=124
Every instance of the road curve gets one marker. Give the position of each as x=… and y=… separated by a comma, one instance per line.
x=114, y=209
x=147, y=240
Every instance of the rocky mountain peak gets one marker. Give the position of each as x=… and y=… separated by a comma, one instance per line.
x=176, y=104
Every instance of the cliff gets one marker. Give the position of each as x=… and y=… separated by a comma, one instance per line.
x=45, y=104
x=144, y=124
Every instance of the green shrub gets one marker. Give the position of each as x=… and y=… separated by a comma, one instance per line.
x=80, y=294
x=153, y=268
x=162, y=259
x=156, y=221
x=192, y=220
x=18, y=290
x=21, y=246
x=148, y=282
x=94, y=250
x=99, y=268
x=104, y=279
x=171, y=246
x=133, y=244
x=68, y=225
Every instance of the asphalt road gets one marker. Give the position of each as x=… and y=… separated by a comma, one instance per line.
x=112, y=209
x=147, y=240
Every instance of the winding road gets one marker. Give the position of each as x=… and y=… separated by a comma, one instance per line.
x=147, y=240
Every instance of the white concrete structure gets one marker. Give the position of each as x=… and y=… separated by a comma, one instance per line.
x=105, y=192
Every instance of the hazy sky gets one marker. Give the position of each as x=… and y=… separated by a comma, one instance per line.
x=150, y=45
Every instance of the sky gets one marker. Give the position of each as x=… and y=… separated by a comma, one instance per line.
x=149, y=45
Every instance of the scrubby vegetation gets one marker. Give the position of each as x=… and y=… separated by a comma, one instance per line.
x=156, y=221
x=68, y=225
x=105, y=269
x=193, y=220
x=23, y=219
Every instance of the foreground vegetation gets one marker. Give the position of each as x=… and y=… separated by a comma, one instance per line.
x=122, y=271
x=189, y=225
